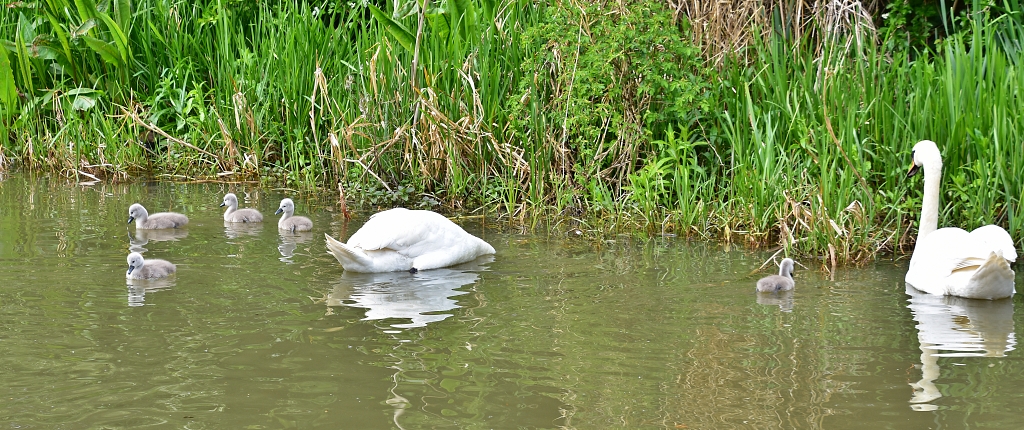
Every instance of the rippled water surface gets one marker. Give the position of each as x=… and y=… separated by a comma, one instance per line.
x=263, y=330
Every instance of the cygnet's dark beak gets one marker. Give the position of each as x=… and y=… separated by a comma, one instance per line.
x=278, y=211
x=130, y=219
x=222, y=204
x=130, y=268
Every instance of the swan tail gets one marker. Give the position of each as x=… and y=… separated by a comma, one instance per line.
x=347, y=255
x=993, y=278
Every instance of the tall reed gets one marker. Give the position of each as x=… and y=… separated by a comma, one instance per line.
x=819, y=144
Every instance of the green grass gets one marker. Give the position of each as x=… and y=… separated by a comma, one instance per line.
x=602, y=117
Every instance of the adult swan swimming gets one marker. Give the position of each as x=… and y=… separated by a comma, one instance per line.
x=950, y=261
x=403, y=239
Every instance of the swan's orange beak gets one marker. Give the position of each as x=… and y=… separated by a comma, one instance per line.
x=913, y=165
x=913, y=170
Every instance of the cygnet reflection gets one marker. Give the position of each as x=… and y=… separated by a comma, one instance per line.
x=782, y=299
x=142, y=237
x=290, y=241
x=138, y=288
x=235, y=230
x=956, y=327
x=403, y=295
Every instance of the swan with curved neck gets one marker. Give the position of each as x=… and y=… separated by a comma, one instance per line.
x=950, y=261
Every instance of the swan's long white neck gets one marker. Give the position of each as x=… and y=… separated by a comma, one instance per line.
x=930, y=202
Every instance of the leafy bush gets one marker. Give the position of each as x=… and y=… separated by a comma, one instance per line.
x=607, y=75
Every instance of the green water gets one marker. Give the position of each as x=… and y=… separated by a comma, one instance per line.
x=260, y=330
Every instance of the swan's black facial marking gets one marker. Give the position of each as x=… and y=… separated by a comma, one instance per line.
x=914, y=167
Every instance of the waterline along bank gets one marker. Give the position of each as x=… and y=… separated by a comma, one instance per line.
x=613, y=116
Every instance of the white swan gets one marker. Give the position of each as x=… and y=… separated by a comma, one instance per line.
x=140, y=268
x=403, y=239
x=234, y=214
x=159, y=220
x=950, y=261
x=289, y=222
x=781, y=282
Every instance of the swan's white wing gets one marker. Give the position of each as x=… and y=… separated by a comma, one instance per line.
x=950, y=261
x=410, y=232
x=392, y=229
x=939, y=253
x=992, y=238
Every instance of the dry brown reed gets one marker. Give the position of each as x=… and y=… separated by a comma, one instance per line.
x=723, y=28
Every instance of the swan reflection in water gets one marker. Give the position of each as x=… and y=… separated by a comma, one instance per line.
x=235, y=230
x=138, y=288
x=290, y=241
x=142, y=237
x=782, y=299
x=956, y=327
x=403, y=295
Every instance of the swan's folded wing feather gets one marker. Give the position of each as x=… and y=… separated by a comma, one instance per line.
x=971, y=263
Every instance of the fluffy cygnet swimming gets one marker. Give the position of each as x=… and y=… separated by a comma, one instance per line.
x=234, y=214
x=140, y=268
x=289, y=222
x=781, y=282
x=159, y=220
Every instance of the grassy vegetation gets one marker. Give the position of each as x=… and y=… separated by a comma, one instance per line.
x=601, y=115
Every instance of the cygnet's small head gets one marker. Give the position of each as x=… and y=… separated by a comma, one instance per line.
x=135, y=261
x=230, y=201
x=786, y=267
x=137, y=211
x=287, y=206
x=925, y=153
